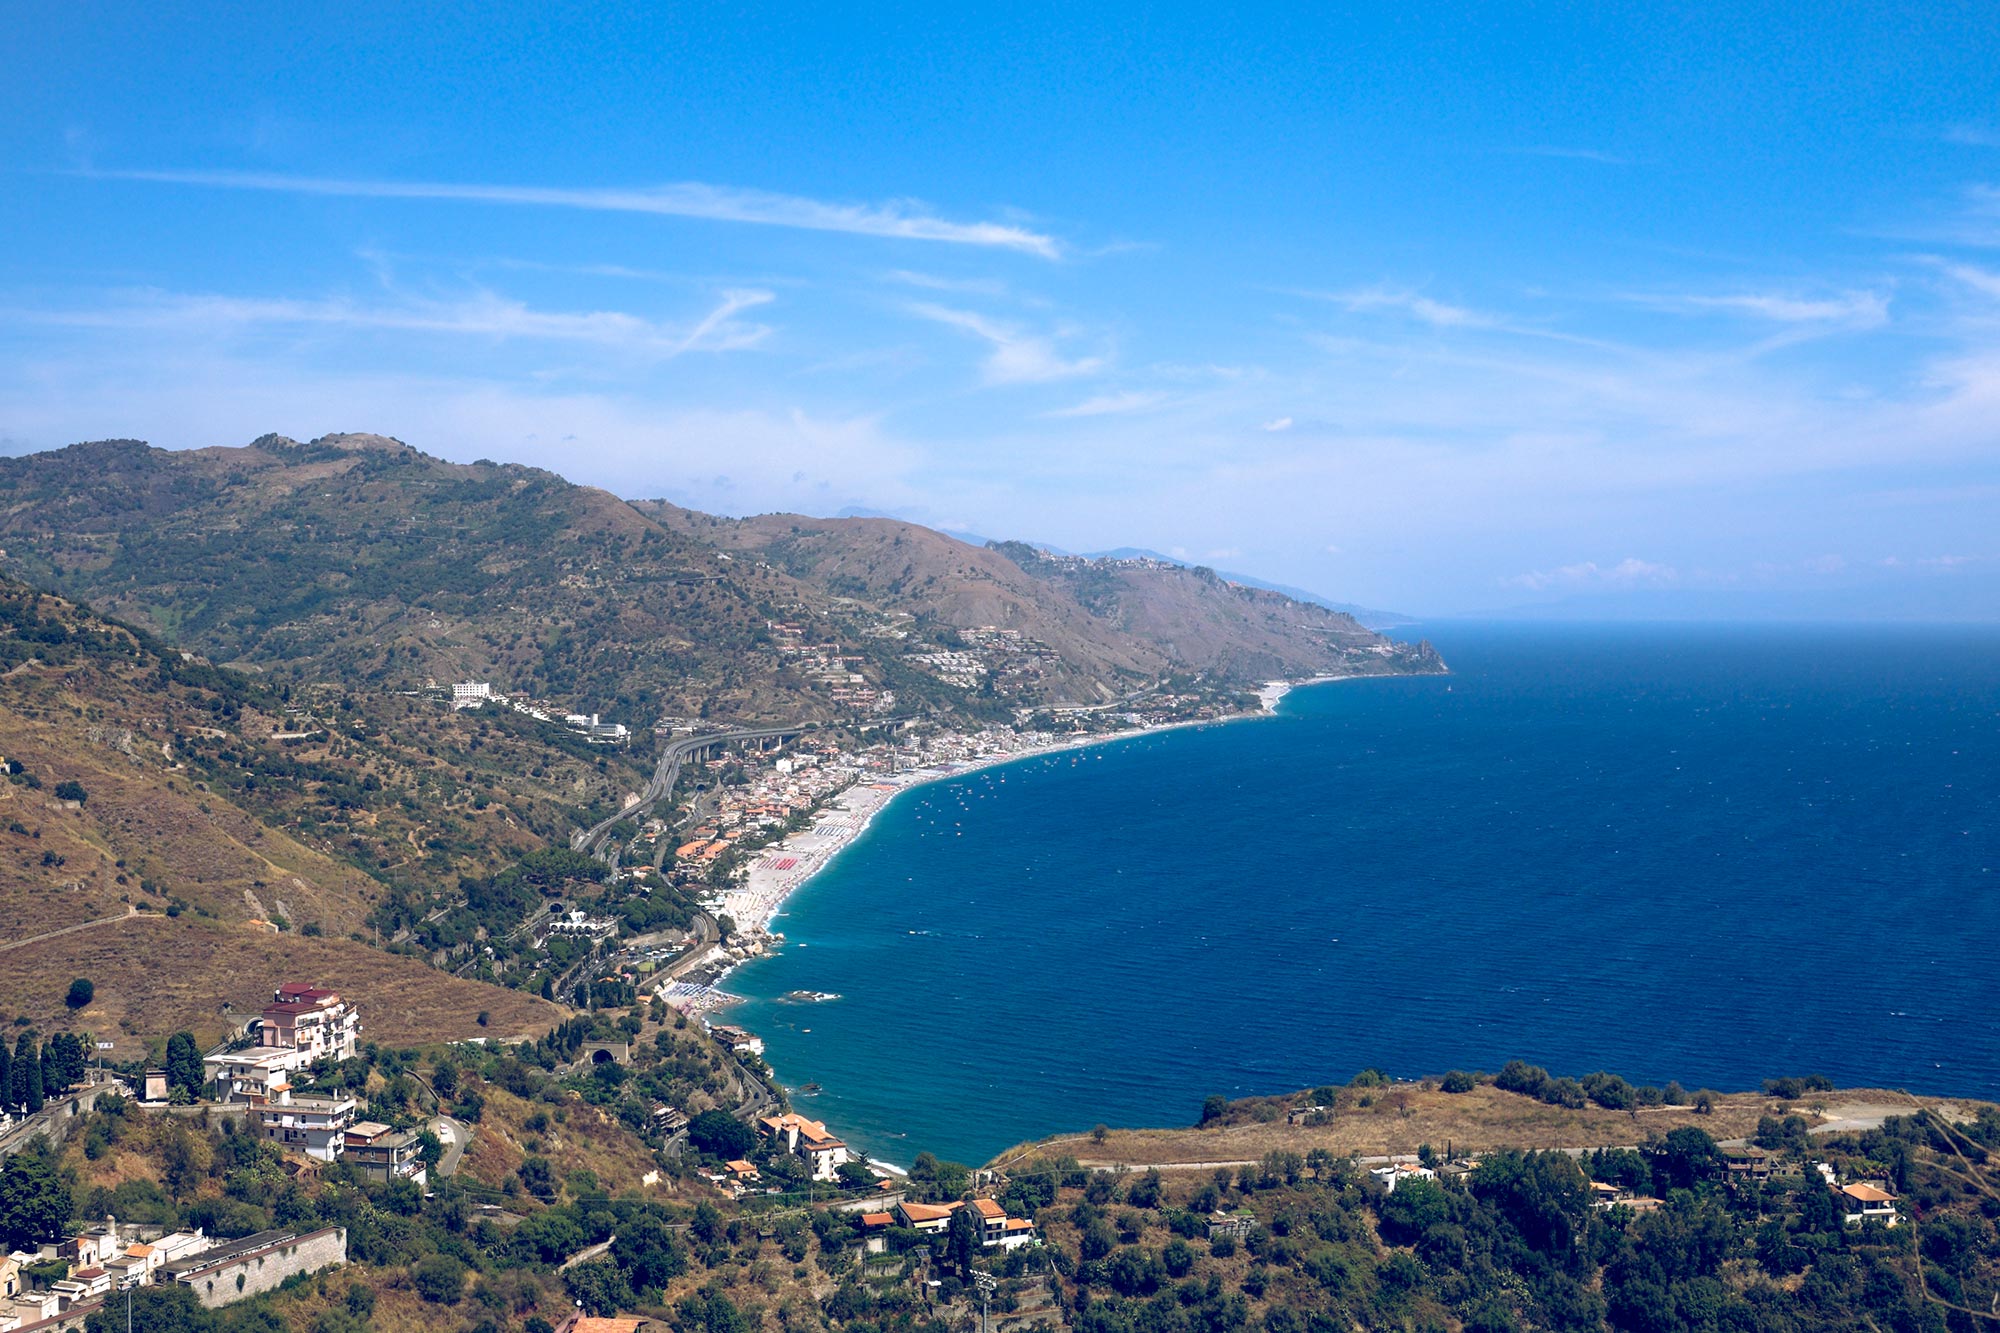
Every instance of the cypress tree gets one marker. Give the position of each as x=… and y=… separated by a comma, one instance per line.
x=6, y=1078
x=184, y=1069
x=28, y=1064
x=17, y=1082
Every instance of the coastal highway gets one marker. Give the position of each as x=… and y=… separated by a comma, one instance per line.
x=592, y=840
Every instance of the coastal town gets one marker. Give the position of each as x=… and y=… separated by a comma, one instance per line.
x=749, y=821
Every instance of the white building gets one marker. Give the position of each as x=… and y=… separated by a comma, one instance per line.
x=258, y=1075
x=470, y=693
x=316, y=1126
x=1868, y=1203
x=822, y=1153
x=312, y=1020
x=1398, y=1172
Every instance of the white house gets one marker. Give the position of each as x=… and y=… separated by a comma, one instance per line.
x=258, y=1075
x=999, y=1231
x=822, y=1153
x=1868, y=1203
x=312, y=1020
x=316, y=1126
x=1397, y=1172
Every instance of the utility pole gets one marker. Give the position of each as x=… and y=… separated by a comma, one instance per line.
x=986, y=1283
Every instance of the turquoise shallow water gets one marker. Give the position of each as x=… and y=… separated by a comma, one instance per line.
x=1672, y=852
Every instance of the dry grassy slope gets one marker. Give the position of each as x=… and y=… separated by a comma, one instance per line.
x=191, y=798
x=155, y=975
x=586, y=1139
x=359, y=558
x=103, y=719
x=1400, y=1120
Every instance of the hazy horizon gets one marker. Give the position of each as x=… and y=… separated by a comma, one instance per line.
x=1449, y=312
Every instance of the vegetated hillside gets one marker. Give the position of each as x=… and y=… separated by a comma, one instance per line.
x=239, y=797
x=359, y=560
x=1372, y=1119
x=553, y=1209
x=231, y=819
x=1113, y=624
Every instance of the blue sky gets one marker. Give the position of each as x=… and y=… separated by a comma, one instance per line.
x=1449, y=308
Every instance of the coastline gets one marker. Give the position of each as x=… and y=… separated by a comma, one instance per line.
x=848, y=815
x=788, y=866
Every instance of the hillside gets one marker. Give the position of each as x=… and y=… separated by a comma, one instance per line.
x=1111, y=624
x=1399, y=1119
x=155, y=830
x=563, y=1202
x=357, y=560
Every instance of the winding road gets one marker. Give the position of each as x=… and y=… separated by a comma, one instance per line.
x=592, y=840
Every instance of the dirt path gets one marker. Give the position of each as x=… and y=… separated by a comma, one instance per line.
x=127, y=915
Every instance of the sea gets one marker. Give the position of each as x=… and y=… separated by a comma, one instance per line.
x=1711, y=854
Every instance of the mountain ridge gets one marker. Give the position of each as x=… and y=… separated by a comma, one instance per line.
x=361, y=558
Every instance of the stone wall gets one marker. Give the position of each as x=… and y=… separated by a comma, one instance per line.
x=53, y=1123
x=245, y=1275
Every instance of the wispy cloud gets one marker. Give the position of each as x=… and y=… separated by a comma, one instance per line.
x=1863, y=308
x=1630, y=572
x=1981, y=280
x=1114, y=404
x=931, y=282
x=483, y=315
x=1972, y=136
x=1414, y=304
x=1018, y=357
x=1573, y=154
x=899, y=219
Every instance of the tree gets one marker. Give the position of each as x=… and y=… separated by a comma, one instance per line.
x=1683, y=1159
x=439, y=1279
x=184, y=1071
x=538, y=1177
x=80, y=992
x=6, y=1077
x=599, y=1286
x=721, y=1134
x=649, y=1254
x=28, y=1074
x=35, y=1202
x=168, y=1307
x=961, y=1240
x=1213, y=1108
x=71, y=790
x=65, y=1061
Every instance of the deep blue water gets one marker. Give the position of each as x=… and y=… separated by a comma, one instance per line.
x=1705, y=854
